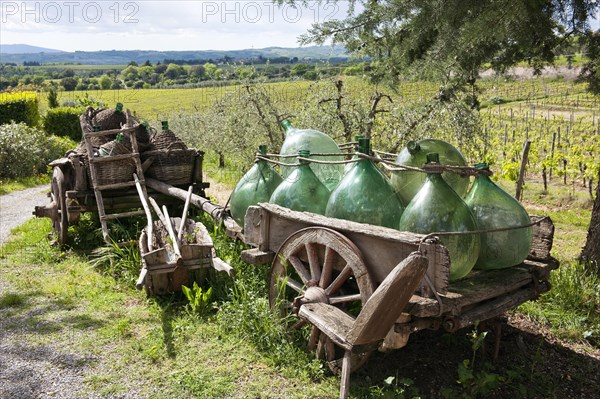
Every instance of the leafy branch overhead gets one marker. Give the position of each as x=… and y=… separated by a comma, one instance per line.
x=453, y=40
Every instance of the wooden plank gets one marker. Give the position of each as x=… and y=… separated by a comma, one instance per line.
x=490, y=309
x=543, y=236
x=479, y=287
x=110, y=132
x=255, y=256
x=334, y=322
x=114, y=186
x=383, y=308
x=268, y=226
x=121, y=215
x=113, y=158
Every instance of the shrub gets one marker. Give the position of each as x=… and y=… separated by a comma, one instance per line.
x=25, y=151
x=64, y=122
x=19, y=108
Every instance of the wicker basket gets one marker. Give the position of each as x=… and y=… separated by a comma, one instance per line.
x=116, y=171
x=173, y=166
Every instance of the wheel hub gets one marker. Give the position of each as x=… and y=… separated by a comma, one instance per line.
x=312, y=294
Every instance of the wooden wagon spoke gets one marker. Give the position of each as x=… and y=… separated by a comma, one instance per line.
x=300, y=268
x=339, y=280
x=329, y=349
x=293, y=284
x=313, y=261
x=327, y=271
x=337, y=300
x=299, y=324
x=313, y=339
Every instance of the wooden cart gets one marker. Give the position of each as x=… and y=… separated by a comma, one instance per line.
x=80, y=184
x=325, y=270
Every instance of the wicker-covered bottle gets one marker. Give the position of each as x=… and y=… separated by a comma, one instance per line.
x=437, y=208
x=257, y=185
x=301, y=190
x=365, y=195
x=494, y=208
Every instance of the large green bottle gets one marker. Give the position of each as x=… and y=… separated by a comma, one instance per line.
x=494, y=208
x=407, y=183
x=437, y=208
x=255, y=186
x=313, y=141
x=301, y=190
x=365, y=195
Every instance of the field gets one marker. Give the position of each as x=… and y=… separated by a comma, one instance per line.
x=125, y=343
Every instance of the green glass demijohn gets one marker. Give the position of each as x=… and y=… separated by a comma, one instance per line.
x=407, y=183
x=301, y=190
x=494, y=208
x=437, y=208
x=365, y=195
x=255, y=186
x=313, y=141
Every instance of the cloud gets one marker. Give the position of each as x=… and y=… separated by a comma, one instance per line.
x=159, y=25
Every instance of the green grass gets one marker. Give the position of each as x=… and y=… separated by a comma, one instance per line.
x=8, y=186
x=128, y=343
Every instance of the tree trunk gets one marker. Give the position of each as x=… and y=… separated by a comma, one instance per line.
x=591, y=251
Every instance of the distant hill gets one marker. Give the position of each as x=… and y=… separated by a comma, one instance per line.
x=25, y=49
x=112, y=57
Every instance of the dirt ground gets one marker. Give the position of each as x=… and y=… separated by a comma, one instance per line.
x=531, y=362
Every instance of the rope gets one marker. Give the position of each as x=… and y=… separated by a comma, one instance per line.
x=389, y=165
x=464, y=233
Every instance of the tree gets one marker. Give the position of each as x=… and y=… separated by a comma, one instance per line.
x=591, y=250
x=452, y=40
x=105, y=82
x=69, y=83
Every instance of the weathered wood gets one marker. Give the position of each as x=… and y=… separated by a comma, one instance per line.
x=111, y=216
x=491, y=309
x=112, y=158
x=543, y=236
x=150, y=226
x=255, y=256
x=169, y=226
x=139, y=284
x=480, y=286
x=521, y=178
x=222, y=266
x=332, y=321
x=185, y=211
x=268, y=225
x=387, y=302
x=375, y=319
x=214, y=210
x=115, y=186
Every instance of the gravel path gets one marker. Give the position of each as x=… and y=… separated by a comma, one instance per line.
x=29, y=371
x=16, y=208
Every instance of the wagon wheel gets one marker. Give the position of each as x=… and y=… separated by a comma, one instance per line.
x=317, y=264
x=60, y=221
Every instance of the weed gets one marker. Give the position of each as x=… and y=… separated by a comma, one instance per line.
x=11, y=299
x=199, y=300
x=120, y=261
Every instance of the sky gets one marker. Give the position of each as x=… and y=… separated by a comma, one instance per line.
x=72, y=25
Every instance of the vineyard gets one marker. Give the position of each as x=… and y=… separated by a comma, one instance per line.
x=557, y=116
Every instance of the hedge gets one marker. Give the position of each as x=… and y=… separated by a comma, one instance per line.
x=19, y=108
x=64, y=122
x=26, y=151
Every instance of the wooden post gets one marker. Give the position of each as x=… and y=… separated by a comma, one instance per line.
x=521, y=179
x=552, y=154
